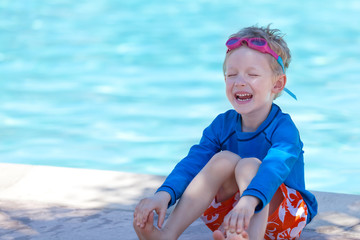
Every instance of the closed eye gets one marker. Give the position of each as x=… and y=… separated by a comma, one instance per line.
x=231, y=75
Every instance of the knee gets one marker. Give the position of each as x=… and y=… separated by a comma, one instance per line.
x=247, y=167
x=224, y=160
x=226, y=157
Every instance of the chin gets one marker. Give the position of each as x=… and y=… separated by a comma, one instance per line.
x=243, y=109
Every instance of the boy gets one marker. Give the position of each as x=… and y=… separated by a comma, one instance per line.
x=246, y=176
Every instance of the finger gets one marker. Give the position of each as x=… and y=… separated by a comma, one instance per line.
x=144, y=217
x=138, y=213
x=150, y=223
x=137, y=209
x=246, y=223
x=240, y=224
x=141, y=215
x=161, y=213
x=233, y=223
x=226, y=221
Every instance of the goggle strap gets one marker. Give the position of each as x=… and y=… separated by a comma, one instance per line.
x=290, y=93
x=280, y=61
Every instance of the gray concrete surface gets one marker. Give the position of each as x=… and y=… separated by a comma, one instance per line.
x=46, y=203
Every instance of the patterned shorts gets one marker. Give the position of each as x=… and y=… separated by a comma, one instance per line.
x=286, y=222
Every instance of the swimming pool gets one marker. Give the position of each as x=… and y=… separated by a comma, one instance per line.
x=130, y=85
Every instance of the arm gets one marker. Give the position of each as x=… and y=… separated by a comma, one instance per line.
x=176, y=183
x=285, y=151
x=184, y=172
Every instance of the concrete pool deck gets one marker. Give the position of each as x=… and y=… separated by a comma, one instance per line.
x=47, y=203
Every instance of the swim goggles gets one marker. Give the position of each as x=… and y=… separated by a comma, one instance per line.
x=258, y=44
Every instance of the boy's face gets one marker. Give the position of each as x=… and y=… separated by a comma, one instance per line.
x=250, y=83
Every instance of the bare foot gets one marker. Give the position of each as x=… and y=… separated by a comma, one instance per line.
x=149, y=232
x=218, y=235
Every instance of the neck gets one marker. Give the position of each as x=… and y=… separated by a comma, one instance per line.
x=251, y=122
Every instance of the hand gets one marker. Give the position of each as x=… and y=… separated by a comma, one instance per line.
x=159, y=202
x=238, y=219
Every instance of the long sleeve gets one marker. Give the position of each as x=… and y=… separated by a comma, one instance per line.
x=276, y=143
x=184, y=172
x=285, y=151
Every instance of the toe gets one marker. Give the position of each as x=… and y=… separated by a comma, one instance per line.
x=217, y=235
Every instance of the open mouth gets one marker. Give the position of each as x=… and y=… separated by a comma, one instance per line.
x=243, y=97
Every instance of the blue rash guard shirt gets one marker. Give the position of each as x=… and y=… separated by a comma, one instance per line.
x=276, y=143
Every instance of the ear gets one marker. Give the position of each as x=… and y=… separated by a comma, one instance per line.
x=279, y=84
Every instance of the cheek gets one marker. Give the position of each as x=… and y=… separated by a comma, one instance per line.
x=228, y=86
x=228, y=89
x=264, y=84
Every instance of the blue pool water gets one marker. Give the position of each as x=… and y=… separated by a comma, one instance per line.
x=130, y=85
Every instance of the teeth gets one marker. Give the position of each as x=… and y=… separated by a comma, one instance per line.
x=243, y=96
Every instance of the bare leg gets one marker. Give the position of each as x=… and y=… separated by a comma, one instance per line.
x=202, y=190
x=216, y=178
x=197, y=197
x=245, y=171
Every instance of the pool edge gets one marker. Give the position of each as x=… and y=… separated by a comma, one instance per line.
x=110, y=196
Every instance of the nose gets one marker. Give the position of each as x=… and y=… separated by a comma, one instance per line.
x=240, y=81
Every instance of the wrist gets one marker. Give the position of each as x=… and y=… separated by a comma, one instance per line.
x=251, y=200
x=165, y=196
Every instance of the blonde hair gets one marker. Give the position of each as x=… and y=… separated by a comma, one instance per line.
x=275, y=40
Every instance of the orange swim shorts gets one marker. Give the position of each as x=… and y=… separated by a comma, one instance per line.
x=286, y=222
